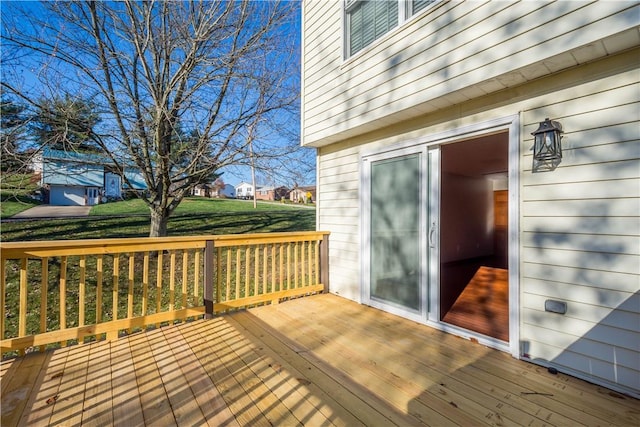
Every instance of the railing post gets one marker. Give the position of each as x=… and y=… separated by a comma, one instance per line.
x=324, y=262
x=208, y=280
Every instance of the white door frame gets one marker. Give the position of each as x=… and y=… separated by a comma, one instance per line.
x=511, y=124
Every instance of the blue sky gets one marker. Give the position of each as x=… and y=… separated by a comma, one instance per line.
x=29, y=72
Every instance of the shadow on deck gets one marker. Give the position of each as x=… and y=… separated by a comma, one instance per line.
x=320, y=360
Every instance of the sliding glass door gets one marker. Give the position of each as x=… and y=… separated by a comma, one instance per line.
x=395, y=213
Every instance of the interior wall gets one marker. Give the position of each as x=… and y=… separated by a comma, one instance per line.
x=466, y=217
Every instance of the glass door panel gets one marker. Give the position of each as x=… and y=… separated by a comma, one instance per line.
x=395, y=219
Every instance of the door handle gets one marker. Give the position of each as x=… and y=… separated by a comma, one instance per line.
x=431, y=231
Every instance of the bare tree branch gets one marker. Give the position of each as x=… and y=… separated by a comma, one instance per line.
x=178, y=83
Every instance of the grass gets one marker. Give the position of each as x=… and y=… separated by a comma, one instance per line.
x=194, y=216
x=14, y=193
x=12, y=203
x=194, y=205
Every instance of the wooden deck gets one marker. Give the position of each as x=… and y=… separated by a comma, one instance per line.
x=314, y=361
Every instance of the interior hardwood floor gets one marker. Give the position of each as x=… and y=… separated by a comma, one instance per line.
x=483, y=305
x=317, y=361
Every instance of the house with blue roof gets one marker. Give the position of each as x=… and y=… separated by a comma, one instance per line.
x=83, y=179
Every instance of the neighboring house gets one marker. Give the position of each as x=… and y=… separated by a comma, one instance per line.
x=202, y=190
x=265, y=193
x=228, y=191
x=81, y=179
x=211, y=190
x=281, y=193
x=303, y=194
x=423, y=127
x=244, y=190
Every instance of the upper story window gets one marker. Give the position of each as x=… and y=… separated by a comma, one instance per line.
x=368, y=20
x=417, y=5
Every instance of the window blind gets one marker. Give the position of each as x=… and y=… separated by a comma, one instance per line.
x=418, y=5
x=369, y=20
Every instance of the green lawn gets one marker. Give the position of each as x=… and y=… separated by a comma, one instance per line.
x=14, y=190
x=193, y=205
x=194, y=216
x=12, y=203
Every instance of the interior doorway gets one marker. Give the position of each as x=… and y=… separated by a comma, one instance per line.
x=474, y=279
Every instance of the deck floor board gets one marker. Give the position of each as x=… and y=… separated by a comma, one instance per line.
x=316, y=361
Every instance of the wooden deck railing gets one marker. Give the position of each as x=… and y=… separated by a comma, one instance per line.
x=56, y=292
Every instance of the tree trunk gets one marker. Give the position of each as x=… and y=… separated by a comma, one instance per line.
x=159, y=220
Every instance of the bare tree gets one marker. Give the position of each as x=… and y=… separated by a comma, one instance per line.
x=178, y=84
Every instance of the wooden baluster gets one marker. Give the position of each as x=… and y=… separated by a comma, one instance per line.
x=44, y=291
x=238, y=265
x=196, y=274
x=145, y=283
x=219, y=275
x=3, y=291
x=265, y=259
x=63, y=295
x=281, y=272
x=288, y=265
x=172, y=282
x=303, y=254
x=295, y=264
x=272, y=279
x=131, y=279
x=113, y=335
x=310, y=263
x=316, y=268
x=22, y=313
x=99, y=273
x=82, y=295
x=227, y=295
x=208, y=280
x=159, y=285
x=185, y=277
x=256, y=276
x=247, y=272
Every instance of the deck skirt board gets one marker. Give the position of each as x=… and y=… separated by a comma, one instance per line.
x=318, y=360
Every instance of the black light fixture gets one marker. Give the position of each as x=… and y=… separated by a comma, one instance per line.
x=546, y=146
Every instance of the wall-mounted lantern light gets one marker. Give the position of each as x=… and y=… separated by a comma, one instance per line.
x=546, y=146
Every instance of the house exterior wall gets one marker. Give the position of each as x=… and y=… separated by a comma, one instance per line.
x=244, y=190
x=265, y=193
x=579, y=238
x=228, y=191
x=448, y=53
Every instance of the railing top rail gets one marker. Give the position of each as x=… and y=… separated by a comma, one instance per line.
x=44, y=248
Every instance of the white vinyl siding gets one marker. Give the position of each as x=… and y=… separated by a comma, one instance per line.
x=580, y=224
x=338, y=202
x=581, y=235
x=451, y=53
